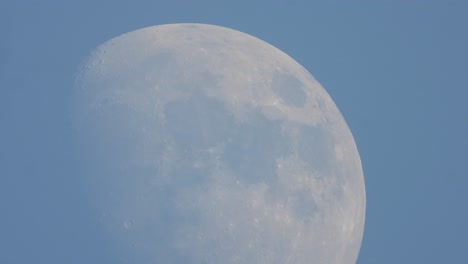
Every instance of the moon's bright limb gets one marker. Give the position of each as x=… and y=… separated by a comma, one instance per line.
x=207, y=145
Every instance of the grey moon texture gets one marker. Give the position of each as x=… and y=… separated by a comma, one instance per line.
x=203, y=144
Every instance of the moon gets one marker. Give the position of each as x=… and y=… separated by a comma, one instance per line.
x=203, y=144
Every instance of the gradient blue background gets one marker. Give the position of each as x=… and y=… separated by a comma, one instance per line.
x=396, y=69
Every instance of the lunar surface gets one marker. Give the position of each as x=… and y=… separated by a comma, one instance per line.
x=202, y=144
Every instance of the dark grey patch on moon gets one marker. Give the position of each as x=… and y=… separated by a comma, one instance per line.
x=289, y=88
x=197, y=123
x=304, y=206
x=314, y=148
x=254, y=146
x=249, y=149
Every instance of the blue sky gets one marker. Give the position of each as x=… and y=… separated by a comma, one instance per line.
x=396, y=69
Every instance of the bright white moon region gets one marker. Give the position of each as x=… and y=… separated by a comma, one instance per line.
x=207, y=145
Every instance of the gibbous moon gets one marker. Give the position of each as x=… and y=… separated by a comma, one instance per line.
x=202, y=144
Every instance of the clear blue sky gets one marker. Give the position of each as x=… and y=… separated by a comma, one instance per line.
x=396, y=69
